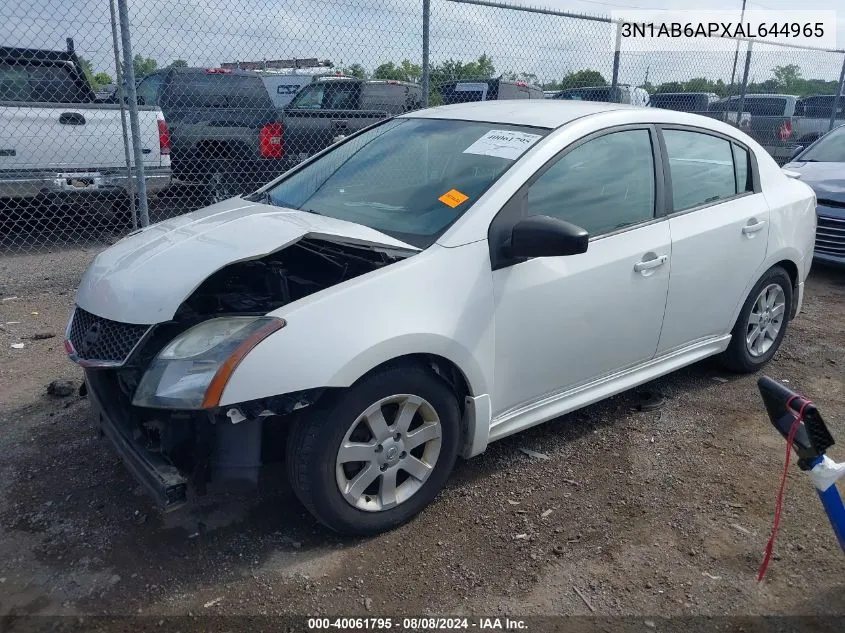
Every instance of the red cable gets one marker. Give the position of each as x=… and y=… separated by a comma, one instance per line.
x=793, y=430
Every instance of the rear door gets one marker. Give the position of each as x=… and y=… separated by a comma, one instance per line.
x=51, y=123
x=719, y=221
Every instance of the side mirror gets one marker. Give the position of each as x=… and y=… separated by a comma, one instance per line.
x=544, y=236
x=795, y=152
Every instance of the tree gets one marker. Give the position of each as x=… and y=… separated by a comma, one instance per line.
x=787, y=77
x=529, y=78
x=143, y=65
x=102, y=79
x=355, y=70
x=88, y=71
x=577, y=79
x=406, y=71
x=178, y=63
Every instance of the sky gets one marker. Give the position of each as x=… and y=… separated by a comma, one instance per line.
x=369, y=32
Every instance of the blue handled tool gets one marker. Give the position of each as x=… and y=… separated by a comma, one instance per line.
x=801, y=424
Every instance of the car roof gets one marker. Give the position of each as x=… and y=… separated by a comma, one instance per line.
x=546, y=113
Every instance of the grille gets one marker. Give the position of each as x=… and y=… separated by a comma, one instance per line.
x=97, y=339
x=830, y=236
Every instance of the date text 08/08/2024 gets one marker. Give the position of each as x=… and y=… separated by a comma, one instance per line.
x=416, y=624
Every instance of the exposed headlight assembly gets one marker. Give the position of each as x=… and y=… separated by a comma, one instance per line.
x=193, y=369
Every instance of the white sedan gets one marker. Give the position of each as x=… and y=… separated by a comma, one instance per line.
x=432, y=284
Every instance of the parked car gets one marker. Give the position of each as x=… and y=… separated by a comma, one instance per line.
x=226, y=132
x=439, y=281
x=59, y=146
x=812, y=117
x=623, y=93
x=822, y=167
x=331, y=108
x=768, y=119
x=698, y=102
x=469, y=90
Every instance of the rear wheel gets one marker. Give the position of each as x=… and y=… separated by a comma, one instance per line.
x=761, y=324
x=373, y=457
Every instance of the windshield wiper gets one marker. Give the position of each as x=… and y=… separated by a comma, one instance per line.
x=312, y=211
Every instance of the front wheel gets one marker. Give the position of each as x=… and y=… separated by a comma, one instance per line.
x=371, y=458
x=761, y=324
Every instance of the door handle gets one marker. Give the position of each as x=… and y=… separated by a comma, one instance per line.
x=750, y=229
x=649, y=264
x=71, y=118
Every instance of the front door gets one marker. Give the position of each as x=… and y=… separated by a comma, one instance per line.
x=563, y=321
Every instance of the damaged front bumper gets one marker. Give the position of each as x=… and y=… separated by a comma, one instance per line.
x=163, y=481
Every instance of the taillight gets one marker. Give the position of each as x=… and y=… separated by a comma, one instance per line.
x=785, y=130
x=163, y=137
x=271, y=141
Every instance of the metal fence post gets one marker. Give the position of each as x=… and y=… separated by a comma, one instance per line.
x=121, y=95
x=426, y=63
x=129, y=74
x=838, y=97
x=614, y=82
x=744, y=85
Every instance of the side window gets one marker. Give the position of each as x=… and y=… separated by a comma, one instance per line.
x=149, y=89
x=602, y=185
x=701, y=166
x=742, y=163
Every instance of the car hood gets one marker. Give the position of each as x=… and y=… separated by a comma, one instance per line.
x=146, y=276
x=826, y=179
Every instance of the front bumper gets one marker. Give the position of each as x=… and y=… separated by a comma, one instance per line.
x=76, y=183
x=162, y=480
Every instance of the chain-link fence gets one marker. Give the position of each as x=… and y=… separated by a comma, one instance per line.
x=115, y=116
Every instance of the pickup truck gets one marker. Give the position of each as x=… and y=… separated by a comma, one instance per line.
x=767, y=118
x=333, y=107
x=59, y=146
x=812, y=117
x=226, y=134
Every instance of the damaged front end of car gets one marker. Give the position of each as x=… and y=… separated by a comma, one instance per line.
x=155, y=389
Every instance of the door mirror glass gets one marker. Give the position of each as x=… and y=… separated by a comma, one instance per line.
x=544, y=236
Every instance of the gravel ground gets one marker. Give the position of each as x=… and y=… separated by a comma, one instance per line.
x=661, y=513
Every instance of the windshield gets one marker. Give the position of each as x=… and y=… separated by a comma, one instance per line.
x=828, y=149
x=409, y=178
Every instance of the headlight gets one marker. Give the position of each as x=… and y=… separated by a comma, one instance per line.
x=192, y=370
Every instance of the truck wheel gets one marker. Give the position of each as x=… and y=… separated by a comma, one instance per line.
x=374, y=456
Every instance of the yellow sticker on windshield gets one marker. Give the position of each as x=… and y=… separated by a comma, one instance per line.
x=453, y=198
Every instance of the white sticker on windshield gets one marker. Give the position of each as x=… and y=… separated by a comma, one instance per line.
x=503, y=143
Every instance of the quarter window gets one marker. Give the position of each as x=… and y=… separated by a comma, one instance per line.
x=603, y=185
x=702, y=168
x=742, y=161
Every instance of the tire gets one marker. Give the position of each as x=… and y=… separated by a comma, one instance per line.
x=739, y=356
x=313, y=456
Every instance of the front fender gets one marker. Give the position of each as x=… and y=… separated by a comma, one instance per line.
x=437, y=302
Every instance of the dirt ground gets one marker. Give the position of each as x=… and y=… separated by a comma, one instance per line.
x=662, y=513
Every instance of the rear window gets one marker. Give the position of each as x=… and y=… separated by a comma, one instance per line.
x=466, y=92
x=217, y=90
x=589, y=94
x=683, y=103
x=41, y=82
x=762, y=106
x=328, y=95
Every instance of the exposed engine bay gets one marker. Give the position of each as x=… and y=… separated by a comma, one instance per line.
x=265, y=284
x=231, y=442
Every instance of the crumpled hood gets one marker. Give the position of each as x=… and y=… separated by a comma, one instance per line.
x=826, y=179
x=146, y=276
